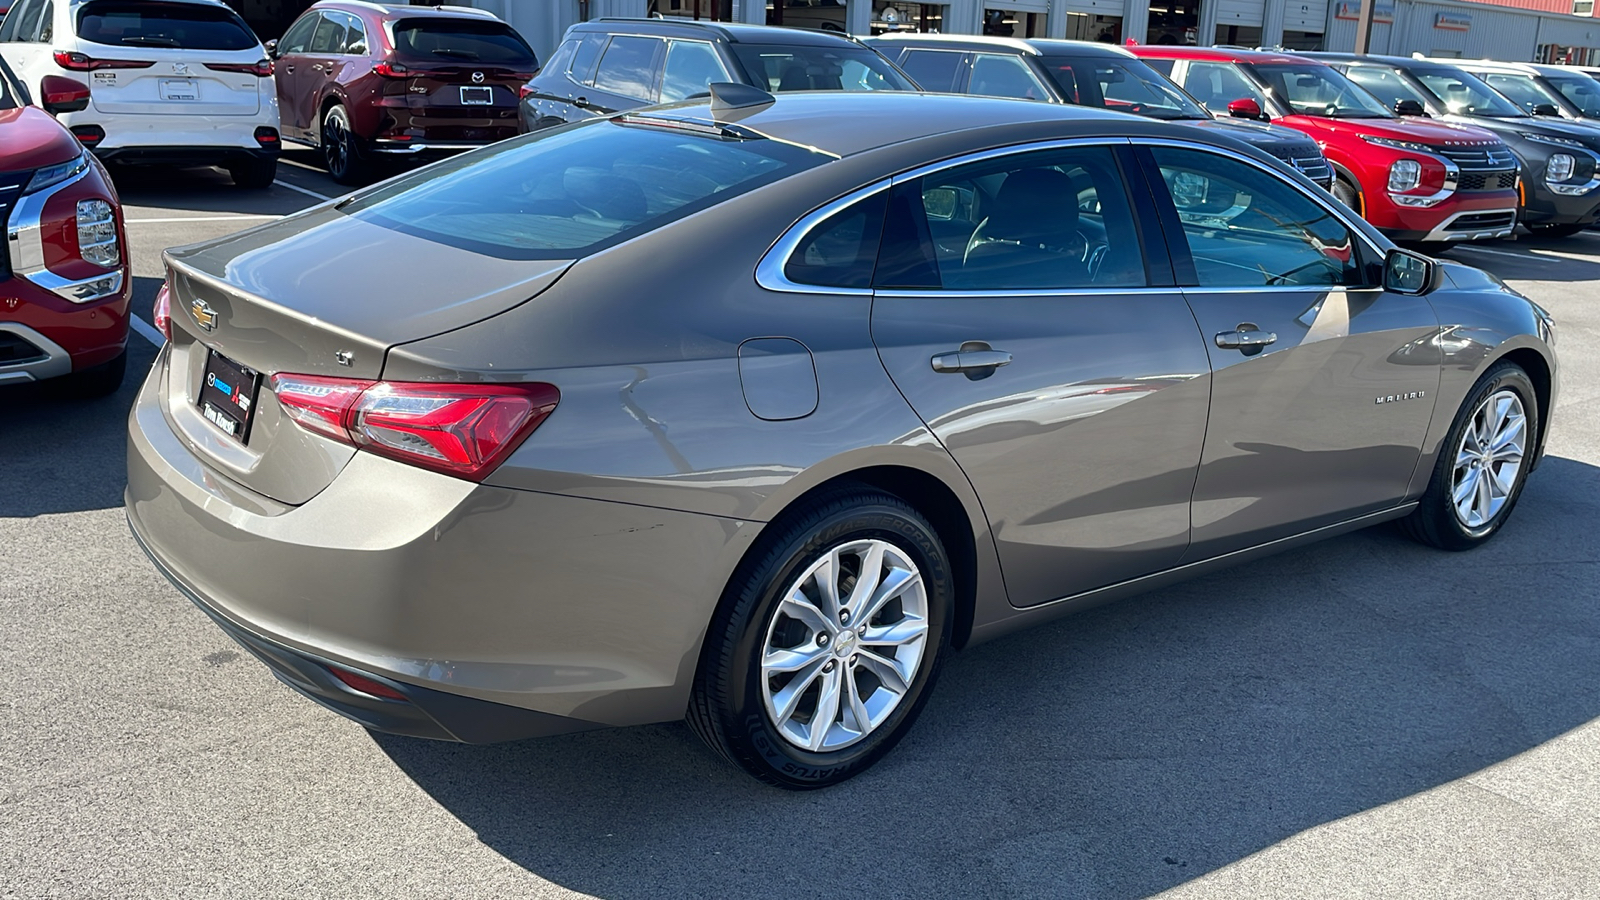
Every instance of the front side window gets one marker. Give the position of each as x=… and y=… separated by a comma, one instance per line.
x=185, y=26
x=775, y=67
x=1519, y=89
x=1464, y=94
x=437, y=39
x=1216, y=85
x=1040, y=220
x=1003, y=75
x=934, y=70
x=628, y=67
x=1122, y=85
x=1584, y=93
x=691, y=68
x=1247, y=228
x=298, y=37
x=1386, y=85
x=566, y=193
x=1317, y=90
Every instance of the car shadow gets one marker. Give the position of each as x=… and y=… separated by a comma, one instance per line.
x=1520, y=259
x=1116, y=753
x=59, y=454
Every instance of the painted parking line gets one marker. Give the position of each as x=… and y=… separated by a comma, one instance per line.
x=146, y=330
x=295, y=187
x=241, y=217
x=1522, y=256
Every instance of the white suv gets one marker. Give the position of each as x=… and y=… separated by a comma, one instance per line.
x=172, y=82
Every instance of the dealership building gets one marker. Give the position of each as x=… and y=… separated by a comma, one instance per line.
x=1526, y=30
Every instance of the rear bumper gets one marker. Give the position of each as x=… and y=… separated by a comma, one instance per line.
x=184, y=156
x=532, y=614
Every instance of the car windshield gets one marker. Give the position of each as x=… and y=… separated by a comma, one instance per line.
x=1123, y=85
x=185, y=26
x=8, y=99
x=776, y=67
x=1317, y=90
x=463, y=40
x=1582, y=92
x=568, y=192
x=1464, y=94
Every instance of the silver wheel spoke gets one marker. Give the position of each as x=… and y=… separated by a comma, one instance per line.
x=858, y=706
x=902, y=632
x=1465, y=489
x=827, y=708
x=898, y=582
x=798, y=606
x=794, y=660
x=785, y=701
x=826, y=578
x=886, y=670
x=867, y=581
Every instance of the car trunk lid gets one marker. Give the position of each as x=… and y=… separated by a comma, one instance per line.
x=159, y=58
x=239, y=298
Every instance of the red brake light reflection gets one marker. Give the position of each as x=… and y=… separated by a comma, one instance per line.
x=163, y=311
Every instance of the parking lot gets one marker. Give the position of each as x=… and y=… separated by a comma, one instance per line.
x=1365, y=717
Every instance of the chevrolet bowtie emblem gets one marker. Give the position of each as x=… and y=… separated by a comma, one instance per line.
x=204, y=315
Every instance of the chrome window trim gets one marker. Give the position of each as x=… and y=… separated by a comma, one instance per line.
x=769, y=271
x=1103, y=291
x=994, y=152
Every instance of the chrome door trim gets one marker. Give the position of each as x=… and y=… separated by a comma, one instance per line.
x=769, y=271
x=1101, y=291
x=994, y=152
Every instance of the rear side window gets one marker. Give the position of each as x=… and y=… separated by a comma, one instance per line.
x=1050, y=219
x=628, y=67
x=1003, y=75
x=934, y=70
x=842, y=249
x=330, y=34
x=566, y=193
x=583, y=59
x=187, y=26
x=463, y=40
x=776, y=67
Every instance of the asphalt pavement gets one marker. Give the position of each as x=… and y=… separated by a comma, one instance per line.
x=1361, y=718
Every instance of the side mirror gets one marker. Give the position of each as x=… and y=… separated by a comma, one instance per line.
x=1244, y=108
x=1410, y=108
x=272, y=48
x=1545, y=109
x=59, y=94
x=1405, y=272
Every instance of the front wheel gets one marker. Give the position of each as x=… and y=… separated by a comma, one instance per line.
x=1348, y=194
x=827, y=644
x=1482, y=464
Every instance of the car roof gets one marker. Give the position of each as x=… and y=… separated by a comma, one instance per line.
x=730, y=32
x=399, y=10
x=1031, y=46
x=1220, y=54
x=1525, y=68
x=843, y=123
x=1382, y=59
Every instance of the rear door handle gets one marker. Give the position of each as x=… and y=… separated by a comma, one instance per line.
x=974, y=356
x=1246, y=338
x=289, y=69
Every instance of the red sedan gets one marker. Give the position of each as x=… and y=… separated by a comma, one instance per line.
x=65, y=279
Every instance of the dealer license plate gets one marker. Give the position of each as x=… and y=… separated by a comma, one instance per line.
x=228, y=395
x=179, y=89
x=477, y=96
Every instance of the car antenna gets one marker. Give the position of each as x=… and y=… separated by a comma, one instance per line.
x=727, y=96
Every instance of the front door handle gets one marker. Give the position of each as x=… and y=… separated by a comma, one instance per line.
x=1247, y=339
x=581, y=103
x=973, y=357
x=289, y=69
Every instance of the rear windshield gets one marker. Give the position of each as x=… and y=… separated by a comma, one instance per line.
x=186, y=26
x=461, y=39
x=776, y=67
x=568, y=192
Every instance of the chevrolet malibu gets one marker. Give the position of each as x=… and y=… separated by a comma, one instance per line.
x=753, y=410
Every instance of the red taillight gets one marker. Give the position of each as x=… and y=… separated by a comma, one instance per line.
x=525, y=91
x=267, y=136
x=464, y=430
x=260, y=68
x=163, y=311
x=391, y=70
x=366, y=685
x=89, y=135
x=82, y=62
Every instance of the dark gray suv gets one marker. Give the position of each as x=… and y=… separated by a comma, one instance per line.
x=609, y=65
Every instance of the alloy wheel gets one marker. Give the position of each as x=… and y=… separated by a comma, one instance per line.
x=335, y=143
x=1489, y=459
x=844, y=645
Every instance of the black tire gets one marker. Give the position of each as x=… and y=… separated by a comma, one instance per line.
x=1435, y=521
x=254, y=174
x=727, y=708
x=94, y=382
x=1555, y=231
x=1347, y=193
x=342, y=152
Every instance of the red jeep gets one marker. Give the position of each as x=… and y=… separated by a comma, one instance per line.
x=1414, y=180
x=65, y=279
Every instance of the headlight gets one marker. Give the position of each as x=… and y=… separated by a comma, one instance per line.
x=1404, y=175
x=50, y=176
x=97, y=233
x=1402, y=145
x=1560, y=167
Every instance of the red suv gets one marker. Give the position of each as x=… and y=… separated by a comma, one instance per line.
x=65, y=280
x=1413, y=180
x=363, y=80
